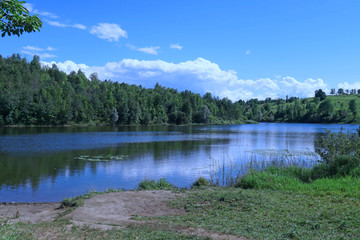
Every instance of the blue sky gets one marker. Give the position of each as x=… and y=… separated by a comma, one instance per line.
x=239, y=49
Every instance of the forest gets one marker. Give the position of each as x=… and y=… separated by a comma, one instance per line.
x=34, y=95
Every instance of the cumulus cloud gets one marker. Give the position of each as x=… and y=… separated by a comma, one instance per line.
x=200, y=76
x=176, y=46
x=41, y=52
x=108, y=31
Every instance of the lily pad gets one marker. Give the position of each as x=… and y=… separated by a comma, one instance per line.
x=102, y=158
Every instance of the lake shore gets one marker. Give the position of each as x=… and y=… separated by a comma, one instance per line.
x=198, y=213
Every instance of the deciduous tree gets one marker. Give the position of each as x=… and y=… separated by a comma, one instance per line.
x=15, y=19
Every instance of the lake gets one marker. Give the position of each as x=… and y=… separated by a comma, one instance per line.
x=50, y=164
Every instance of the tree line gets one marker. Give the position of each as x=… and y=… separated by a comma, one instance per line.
x=35, y=95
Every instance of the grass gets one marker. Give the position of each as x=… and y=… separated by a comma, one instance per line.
x=269, y=214
x=161, y=184
x=296, y=180
x=278, y=204
x=62, y=229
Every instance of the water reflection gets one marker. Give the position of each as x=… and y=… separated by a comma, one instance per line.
x=43, y=164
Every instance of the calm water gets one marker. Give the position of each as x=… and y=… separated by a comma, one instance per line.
x=49, y=164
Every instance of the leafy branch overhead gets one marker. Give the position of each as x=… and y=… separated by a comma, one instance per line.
x=15, y=19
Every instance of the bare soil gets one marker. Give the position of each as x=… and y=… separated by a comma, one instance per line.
x=29, y=212
x=106, y=211
x=118, y=208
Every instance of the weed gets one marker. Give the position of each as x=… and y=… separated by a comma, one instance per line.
x=161, y=184
x=201, y=182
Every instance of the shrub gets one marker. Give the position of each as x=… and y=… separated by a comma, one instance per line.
x=152, y=185
x=355, y=172
x=201, y=182
x=319, y=171
x=334, y=144
x=341, y=166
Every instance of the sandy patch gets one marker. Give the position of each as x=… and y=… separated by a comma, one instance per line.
x=107, y=211
x=29, y=212
x=118, y=208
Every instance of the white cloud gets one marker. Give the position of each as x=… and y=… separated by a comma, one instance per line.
x=56, y=24
x=176, y=46
x=108, y=31
x=37, y=49
x=346, y=85
x=200, y=76
x=247, y=52
x=41, y=55
x=63, y=25
x=51, y=49
x=41, y=52
x=79, y=26
x=149, y=50
x=31, y=9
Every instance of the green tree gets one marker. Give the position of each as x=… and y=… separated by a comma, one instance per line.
x=114, y=116
x=352, y=107
x=320, y=94
x=326, y=110
x=15, y=19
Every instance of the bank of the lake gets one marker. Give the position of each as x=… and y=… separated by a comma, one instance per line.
x=328, y=212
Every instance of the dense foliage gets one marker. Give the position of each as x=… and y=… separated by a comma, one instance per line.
x=35, y=95
x=15, y=19
x=32, y=95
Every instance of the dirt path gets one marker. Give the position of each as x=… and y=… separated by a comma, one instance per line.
x=107, y=211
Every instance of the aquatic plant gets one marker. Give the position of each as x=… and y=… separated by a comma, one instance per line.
x=102, y=158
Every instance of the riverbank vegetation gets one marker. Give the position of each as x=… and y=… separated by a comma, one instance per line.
x=35, y=95
x=322, y=202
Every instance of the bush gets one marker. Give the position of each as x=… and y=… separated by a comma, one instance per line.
x=355, y=172
x=335, y=144
x=161, y=184
x=341, y=166
x=201, y=182
x=319, y=171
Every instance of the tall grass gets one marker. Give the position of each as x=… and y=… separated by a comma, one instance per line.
x=227, y=172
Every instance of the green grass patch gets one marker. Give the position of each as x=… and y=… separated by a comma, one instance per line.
x=161, y=184
x=299, y=180
x=269, y=214
x=63, y=229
